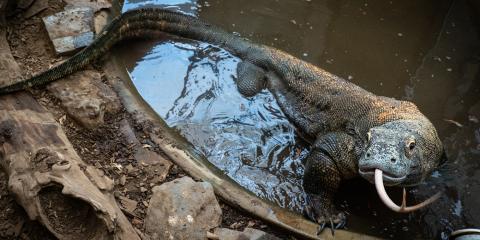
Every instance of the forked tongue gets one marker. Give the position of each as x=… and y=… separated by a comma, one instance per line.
x=390, y=204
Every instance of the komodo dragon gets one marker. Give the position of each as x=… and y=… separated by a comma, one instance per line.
x=356, y=132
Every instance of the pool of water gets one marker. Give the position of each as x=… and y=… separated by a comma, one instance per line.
x=425, y=51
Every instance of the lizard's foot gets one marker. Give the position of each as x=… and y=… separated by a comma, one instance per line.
x=250, y=79
x=324, y=215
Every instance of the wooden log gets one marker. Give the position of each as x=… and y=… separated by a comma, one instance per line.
x=46, y=176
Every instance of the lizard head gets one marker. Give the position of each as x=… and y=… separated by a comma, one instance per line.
x=406, y=151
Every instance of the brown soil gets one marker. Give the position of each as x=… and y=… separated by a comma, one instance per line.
x=104, y=147
x=14, y=222
x=69, y=216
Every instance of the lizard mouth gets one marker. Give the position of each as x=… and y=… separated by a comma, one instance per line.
x=388, y=178
x=382, y=193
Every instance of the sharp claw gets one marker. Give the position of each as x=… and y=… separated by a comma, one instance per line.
x=309, y=212
x=340, y=225
x=332, y=227
x=320, y=228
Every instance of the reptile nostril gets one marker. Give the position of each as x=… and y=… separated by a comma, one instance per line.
x=393, y=160
x=368, y=155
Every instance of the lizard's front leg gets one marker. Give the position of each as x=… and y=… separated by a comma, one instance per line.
x=251, y=79
x=332, y=159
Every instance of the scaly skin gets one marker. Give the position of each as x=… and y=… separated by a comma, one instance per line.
x=355, y=131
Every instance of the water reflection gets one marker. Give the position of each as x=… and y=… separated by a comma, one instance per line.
x=250, y=139
x=427, y=51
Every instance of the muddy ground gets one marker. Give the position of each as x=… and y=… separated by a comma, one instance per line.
x=104, y=147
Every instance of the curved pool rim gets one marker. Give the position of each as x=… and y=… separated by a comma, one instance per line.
x=185, y=155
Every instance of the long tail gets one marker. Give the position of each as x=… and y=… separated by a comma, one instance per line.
x=141, y=23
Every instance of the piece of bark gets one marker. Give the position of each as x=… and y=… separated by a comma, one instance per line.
x=156, y=166
x=50, y=181
x=9, y=69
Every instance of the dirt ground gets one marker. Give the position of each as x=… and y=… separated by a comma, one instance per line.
x=104, y=147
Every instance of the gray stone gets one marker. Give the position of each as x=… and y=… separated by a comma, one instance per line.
x=247, y=234
x=71, y=29
x=95, y=5
x=85, y=97
x=182, y=209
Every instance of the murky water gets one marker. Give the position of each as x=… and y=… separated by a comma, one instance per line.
x=250, y=139
x=427, y=51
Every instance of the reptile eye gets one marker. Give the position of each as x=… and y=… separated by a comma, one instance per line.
x=411, y=145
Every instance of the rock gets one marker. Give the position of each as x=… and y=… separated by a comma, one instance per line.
x=136, y=222
x=123, y=180
x=85, y=97
x=247, y=234
x=182, y=209
x=128, y=204
x=130, y=168
x=100, y=21
x=71, y=29
x=95, y=5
